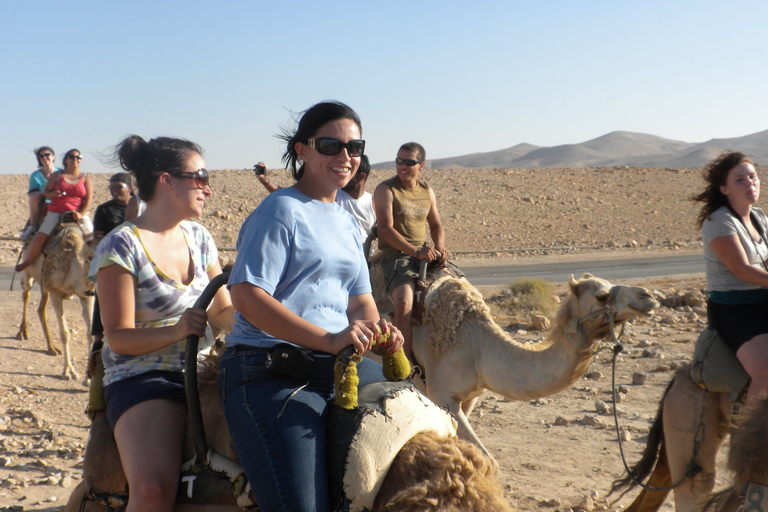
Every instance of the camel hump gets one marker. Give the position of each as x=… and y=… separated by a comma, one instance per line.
x=715, y=366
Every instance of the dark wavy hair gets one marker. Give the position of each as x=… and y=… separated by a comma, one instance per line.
x=146, y=161
x=312, y=119
x=40, y=150
x=715, y=173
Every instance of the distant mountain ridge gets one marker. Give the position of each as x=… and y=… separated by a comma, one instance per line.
x=613, y=149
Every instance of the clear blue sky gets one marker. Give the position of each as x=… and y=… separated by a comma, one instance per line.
x=459, y=77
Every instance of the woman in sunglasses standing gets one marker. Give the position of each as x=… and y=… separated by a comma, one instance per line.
x=69, y=191
x=300, y=281
x=153, y=269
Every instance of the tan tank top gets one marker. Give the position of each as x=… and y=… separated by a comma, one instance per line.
x=410, y=207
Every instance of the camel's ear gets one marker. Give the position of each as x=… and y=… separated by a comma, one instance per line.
x=573, y=283
x=587, y=275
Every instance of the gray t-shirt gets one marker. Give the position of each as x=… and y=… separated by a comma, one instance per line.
x=723, y=223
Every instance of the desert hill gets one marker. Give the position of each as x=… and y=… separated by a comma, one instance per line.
x=613, y=149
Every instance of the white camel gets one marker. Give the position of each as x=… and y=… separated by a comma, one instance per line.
x=62, y=274
x=463, y=351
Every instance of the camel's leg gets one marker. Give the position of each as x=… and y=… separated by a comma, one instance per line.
x=468, y=406
x=682, y=415
x=69, y=372
x=53, y=350
x=86, y=305
x=648, y=500
x=26, y=288
x=464, y=429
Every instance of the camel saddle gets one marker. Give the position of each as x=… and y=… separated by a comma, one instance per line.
x=431, y=275
x=362, y=443
x=715, y=366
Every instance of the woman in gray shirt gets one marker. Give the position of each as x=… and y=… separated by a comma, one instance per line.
x=735, y=253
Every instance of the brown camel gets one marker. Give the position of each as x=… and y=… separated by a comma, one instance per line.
x=748, y=460
x=688, y=417
x=62, y=274
x=431, y=473
x=463, y=351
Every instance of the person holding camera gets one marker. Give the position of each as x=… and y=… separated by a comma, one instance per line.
x=404, y=206
x=301, y=287
x=352, y=197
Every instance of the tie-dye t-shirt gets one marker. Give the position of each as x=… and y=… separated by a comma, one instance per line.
x=160, y=300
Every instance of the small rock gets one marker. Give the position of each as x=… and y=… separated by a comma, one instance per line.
x=639, y=378
x=562, y=422
x=601, y=406
x=624, y=389
x=625, y=435
x=593, y=421
x=594, y=375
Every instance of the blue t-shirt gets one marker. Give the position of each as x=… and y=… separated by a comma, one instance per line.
x=307, y=254
x=38, y=181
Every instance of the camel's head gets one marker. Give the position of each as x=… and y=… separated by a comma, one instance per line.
x=594, y=300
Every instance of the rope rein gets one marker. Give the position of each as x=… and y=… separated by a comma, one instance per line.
x=691, y=469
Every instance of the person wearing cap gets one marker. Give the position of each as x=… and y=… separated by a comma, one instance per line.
x=108, y=216
x=111, y=214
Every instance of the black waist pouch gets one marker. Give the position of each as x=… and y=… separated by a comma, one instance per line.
x=291, y=361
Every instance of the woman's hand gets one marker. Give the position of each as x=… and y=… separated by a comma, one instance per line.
x=192, y=321
x=395, y=341
x=362, y=334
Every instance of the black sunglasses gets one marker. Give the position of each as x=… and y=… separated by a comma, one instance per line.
x=45, y=155
x=407, y=161
x=330, y=147
x=75, y=157
x=200, y=176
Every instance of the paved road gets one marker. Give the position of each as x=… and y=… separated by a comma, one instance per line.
x=610, y=269
x=557, y=272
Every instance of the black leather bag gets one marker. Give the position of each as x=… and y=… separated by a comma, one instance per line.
x=291, y=361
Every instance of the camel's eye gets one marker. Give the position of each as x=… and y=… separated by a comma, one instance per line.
x=602, y=295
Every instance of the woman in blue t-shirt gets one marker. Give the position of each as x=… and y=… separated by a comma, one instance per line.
x=37, y=182
x=300, y=281
x=735, y=252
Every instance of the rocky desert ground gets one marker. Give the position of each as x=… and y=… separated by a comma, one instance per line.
x=556, y=453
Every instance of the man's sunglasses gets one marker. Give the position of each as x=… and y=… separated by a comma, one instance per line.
x=330, y=147
x=200, y=176
x=116, y=186
x=407, y=161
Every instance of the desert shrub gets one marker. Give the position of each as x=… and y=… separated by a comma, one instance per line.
x=528, y=295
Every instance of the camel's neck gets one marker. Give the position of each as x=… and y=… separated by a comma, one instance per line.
x=528, y=371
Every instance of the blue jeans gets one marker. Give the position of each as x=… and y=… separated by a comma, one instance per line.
x=284, y=457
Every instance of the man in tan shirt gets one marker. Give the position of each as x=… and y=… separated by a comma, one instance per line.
x=404, y=206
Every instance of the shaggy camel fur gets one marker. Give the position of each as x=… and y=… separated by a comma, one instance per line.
x=463, y=351
x=671, y=439
x=430, y=474
x=61, y=274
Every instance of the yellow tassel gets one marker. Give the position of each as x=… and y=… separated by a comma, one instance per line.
x=345, y=381
x=394, y=366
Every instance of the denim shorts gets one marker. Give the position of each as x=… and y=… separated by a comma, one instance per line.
x=279, y=427
x=124, y=394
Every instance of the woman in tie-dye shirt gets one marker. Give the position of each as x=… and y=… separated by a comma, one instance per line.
x=149, y=273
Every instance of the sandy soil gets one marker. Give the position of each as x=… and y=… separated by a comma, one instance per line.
x=490, y=215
